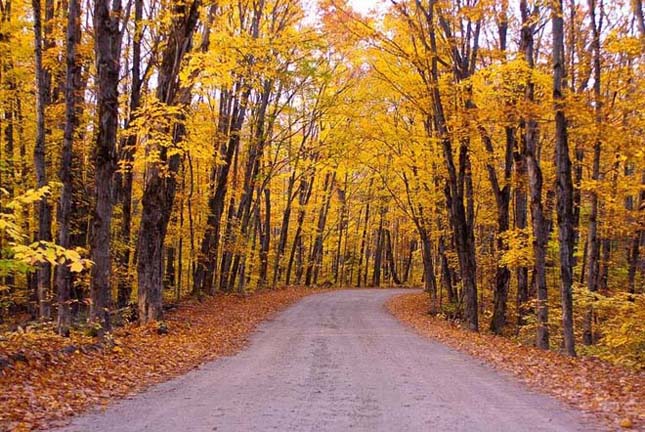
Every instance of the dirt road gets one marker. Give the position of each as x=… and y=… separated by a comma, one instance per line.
x=338, y=362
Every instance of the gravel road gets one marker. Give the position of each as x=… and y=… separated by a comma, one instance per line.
x=337, y=362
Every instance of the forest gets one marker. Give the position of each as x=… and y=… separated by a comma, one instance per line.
x=491, y=152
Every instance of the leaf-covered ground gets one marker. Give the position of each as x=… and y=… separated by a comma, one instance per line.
x=614, y=394
x=51, y=378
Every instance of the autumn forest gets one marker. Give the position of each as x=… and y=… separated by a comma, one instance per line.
x=489, y=152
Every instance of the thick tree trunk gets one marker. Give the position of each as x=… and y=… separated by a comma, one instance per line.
x=72, y=85
x=564, y=183
x=161, y=182
x=43, y=83
x=535, y=181
x=107, y=47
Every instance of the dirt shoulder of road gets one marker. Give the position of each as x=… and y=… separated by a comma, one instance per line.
x=45, y=379
x=614, y=394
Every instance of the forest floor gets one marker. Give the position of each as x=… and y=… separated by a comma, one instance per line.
x=616, y=395
x=334, y=362
x=45, y=379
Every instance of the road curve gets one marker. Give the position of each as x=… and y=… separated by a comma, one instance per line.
x=337, y=362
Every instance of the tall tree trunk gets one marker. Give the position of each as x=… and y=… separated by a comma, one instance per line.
x=107, y=47
x=564, y=183
x=407, y=266
x=265, y=240
x=460, y=202
x=359, y=279
x=171, y=273
x=502, y=199
x=342, y=197
x=521, y=222
x=11, y=117
x=378, y=253
x=316, y=256
x=429, y=277
x=593, y=241
x=446, y=273
x=389, y=256
x=233, y=110
x=72, y=85
x=43, y=83
x=640, y=20
x=304, y=194
x=636, y=241
x=284, y=230
x=529, y=150
x=128, y=148
x=161, y=182
x=251, y=173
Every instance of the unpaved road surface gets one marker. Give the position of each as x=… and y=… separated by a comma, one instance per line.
x=338, y=362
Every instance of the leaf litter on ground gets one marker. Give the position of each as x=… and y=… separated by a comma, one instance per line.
x=613, y=394
x=51, y=378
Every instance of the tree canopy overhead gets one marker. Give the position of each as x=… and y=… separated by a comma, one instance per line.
x=490, y=152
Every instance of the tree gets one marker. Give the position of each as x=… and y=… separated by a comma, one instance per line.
x=43, y=82
x=161, y=183
x=107, y=47
x=72, y=87
x=529, y=151
x=564, y=183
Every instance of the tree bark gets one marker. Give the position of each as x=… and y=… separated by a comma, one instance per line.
x=593, y=241
x=72, y=85
x=251, y=173
x=636, y=241
x=284, y=230
x=305, y=190
x=521, y=222
x=564, y=183
x=265, y=240
x=161, y=182
x=359, y=279
x=316, y=255
x=43, y=83
x=529, y=150
x=107, y=47
x=389, y=256
x=128, y=148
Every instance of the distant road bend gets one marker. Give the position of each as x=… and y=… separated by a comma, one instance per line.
x=337, y=362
